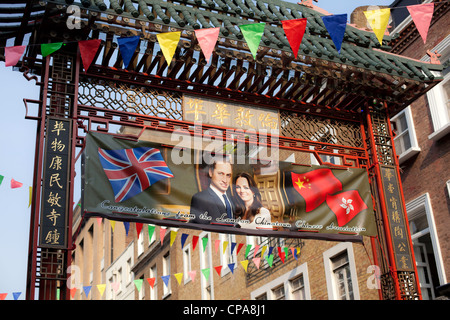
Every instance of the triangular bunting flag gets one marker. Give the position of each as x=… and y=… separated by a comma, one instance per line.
x=335, y=25
x=16, y=295
x=151, y=230
x=3, y=296
x=30, y=195
x=257, y=261
x=127, y=47
x=13, y=55
x=205, y=243
x=294, y=252
x=113, y=224
x=166, y=279
x=16, y=184
x=194, y=242
x=192, y=275
x=138, y=284
x=240, y=245
x=264, y=248
x=218, y=270
x=183, y=239
x=179, y=277
x=206, y=272
x=138, y=228
x=422, y=15
x=256, y=250
x=252, y=34
x=168, y=42
x=151, y=282
x=378, y=20
x=101, y=288
x=126, y=224
x=244, y=263
x=49, y=48
x=294, y=30
x=270, y=251
x=216, y=245
x=86, y=290
x=207, y=39
x=225, y=244
x=1, y=179
x=162, y=233
x=231, y=267
x=88, y=50
x=233, y=245
x=72, y=292
x=286, y=252
x=270, y=260
x=173, y=236
x=115, y=286
x=247, y=250
x=99, y=221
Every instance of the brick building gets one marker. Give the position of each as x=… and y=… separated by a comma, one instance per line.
x=423, y=145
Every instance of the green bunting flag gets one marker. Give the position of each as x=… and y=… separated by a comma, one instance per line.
x=252, y=34
x=49, y=48
x=206, y=272
x=1, y=179
x=138, y=283
x=205, y=243
x=151, y=230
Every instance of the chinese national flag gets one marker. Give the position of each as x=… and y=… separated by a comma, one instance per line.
x=346, y=205
x=314, y=186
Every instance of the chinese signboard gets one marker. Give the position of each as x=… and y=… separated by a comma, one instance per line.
x=396, y=216
x=55, y=184
x=146, y=182
x=229, y=115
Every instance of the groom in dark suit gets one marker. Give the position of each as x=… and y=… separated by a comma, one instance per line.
x=213, y=203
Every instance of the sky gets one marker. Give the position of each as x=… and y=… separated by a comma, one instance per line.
x=17, y=149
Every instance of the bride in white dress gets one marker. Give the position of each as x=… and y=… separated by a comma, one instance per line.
x=248, y=204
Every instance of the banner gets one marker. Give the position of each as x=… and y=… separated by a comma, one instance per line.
x=180, y=187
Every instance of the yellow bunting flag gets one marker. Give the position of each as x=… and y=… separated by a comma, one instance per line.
x=168, y=42
x=173, y=236
x=225, y=244
x=378, y=20
x=245, y=264
x=179, y=277
x=113, y=224
x=101, y=288
x=30, y=190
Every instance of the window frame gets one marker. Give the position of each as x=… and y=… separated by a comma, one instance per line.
x=414, y=149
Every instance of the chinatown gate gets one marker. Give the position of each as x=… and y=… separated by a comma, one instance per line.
x=330, y=109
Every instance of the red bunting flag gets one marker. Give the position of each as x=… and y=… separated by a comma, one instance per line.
x=218, y=270
x=422, y=15
x=16, y=184
x=315, y=185
x=138, y=228
x=151, y=281
x=13, y=55
x=294, y=30
x=207, y=39
x=346, y=205
x=88, y=50
x=194, y=242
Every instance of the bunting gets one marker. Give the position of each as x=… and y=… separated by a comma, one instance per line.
x=252, y=34
x=421, y=15
x=49, y=48
x=294, y=30
x=335, y=26
x=207, y=39
x=13, y=55
x=168, y=42
x=127, y=47
x=378, y=20
x=88, y=50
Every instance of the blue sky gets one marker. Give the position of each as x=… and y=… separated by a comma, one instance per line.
x=17, y=145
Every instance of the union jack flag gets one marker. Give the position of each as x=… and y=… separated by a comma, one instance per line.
x=131, y=171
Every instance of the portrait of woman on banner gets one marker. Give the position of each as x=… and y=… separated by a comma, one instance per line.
x=248, y=204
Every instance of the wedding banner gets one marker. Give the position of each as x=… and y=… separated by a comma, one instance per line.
x=175, y=186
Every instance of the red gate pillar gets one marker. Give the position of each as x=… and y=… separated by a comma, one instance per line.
x=399, y=278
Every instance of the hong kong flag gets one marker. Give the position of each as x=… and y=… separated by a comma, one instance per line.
x=314, y=186
x=346, y=205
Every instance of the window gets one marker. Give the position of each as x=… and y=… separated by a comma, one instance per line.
x=187, y=263
x=341, y=277
x=225, y=255
x=405, y=139
x=426, y=247
x=439, y=97
x=140, y=246
x=340, y=272
x=166, y=271
x=293, y=285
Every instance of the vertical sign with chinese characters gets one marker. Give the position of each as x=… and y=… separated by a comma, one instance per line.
x=397, y=219
x=221, y=113
x=56, y=167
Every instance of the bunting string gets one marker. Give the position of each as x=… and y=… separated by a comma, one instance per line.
x=294, y=30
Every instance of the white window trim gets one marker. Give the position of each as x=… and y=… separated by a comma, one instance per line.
x=414, y=149
x=332, y=252
x=188, y=267
x=439, y=114
x=225, y=237
x=284, y=279
x=448, y=188
x=206, y=264
x=412, y=208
